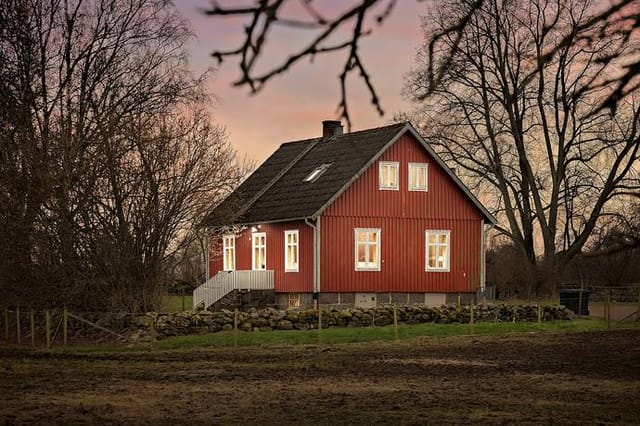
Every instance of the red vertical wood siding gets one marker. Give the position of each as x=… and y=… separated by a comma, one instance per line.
x=301, y=281
x=403, y=217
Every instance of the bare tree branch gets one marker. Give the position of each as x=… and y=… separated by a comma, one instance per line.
x=266, y=14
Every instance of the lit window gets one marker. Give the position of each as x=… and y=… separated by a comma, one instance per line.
x=367, y=250
x=437, y=250
x=294, y=300
x=418, y=176
x=317, y=172
x=291, y=251
x=259, y=251
x=229, y=252
x=388, y=172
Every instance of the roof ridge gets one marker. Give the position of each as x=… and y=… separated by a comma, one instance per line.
x=373, y=129
x=282, y=172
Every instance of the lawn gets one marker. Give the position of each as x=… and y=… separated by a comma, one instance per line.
x=334, y=336
x=172, y=303
x=337, y=336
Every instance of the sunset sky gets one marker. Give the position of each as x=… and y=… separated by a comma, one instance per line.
x=293, y=105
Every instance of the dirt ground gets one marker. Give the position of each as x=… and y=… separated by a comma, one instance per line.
x=526, y=378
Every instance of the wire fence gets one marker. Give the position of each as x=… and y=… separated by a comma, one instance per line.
x=611, y=303
x=48, y=328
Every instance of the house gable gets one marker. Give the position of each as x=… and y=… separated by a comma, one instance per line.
x=444, y=199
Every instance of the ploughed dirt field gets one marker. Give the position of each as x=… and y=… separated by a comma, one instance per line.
x=525, y=378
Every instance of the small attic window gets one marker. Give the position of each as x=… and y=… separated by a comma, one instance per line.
x=317, y=172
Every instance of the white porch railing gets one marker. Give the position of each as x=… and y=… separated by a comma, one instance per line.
x=224, y=282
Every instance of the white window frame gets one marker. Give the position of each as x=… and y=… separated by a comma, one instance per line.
x=367, y=266
x=228, y=244
x=253, y=250
x=419, y=166
x=286, y=250
x=390, y=165
x=447, y=244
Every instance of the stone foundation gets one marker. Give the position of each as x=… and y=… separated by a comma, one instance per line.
x=351, y=300
x=245, y=299
x=305, y=300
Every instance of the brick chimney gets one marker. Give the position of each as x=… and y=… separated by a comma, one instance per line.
x=331, y=128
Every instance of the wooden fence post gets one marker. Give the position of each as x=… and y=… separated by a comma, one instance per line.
x=458, y=300
x=235, y=327
x=6, y=324
x=319, y=325
x=539, y=313
x=153, y=331
x=33, y=329
x=471, y=319
x=580, y=300
x=608, y=308
x=47, y=320
x=64, y=327
x=395, y=320
x=19, y=335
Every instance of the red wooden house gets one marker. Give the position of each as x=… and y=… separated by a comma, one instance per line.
x=362, y=218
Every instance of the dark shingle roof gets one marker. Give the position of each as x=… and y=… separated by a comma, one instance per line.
x=276, y=191
x=227, y=212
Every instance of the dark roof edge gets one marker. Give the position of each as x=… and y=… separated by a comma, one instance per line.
x=261, y=222
x=277, y=177
x=436, y=157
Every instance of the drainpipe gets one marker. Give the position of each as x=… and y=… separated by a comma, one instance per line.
x=316, y=255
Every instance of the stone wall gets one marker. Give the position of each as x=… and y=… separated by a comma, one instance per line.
x=191, y=322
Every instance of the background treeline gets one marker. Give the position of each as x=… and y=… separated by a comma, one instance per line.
x=612, y=259
x=107, y=156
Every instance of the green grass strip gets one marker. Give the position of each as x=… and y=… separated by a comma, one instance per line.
x=333, y=336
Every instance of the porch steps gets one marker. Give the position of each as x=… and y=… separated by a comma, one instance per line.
x=224, y=282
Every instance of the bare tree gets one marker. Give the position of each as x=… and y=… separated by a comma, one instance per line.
x=98, y=147
x=161, y=176
x=528, y=129
x=618, y=17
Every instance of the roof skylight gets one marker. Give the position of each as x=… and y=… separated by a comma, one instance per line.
x=317, y=172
